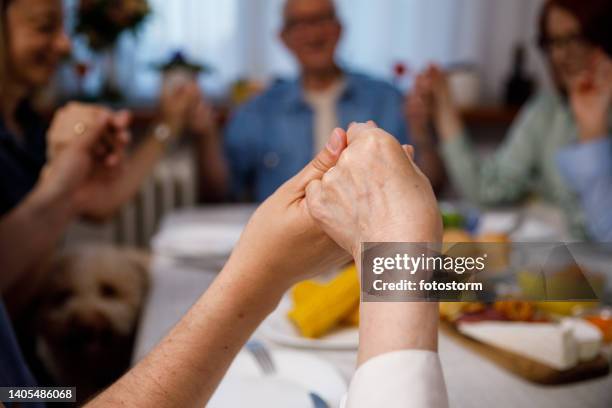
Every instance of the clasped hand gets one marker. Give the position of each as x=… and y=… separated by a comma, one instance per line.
x=86, y=149
x=363, y=187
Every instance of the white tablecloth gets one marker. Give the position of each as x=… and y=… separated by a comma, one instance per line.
x=472, y=381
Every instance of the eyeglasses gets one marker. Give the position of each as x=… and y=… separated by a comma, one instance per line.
x=571, y=43
x=302, y=23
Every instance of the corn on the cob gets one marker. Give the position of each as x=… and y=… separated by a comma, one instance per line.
x=328, y=305
x=353, y=318
x=304, y=290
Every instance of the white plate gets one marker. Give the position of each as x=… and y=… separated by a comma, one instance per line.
x=278, y=328
x=254, y=392
x=197, y=240
x=297, y=374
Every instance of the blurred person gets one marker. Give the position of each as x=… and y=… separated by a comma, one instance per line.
x=587, y=165
x=572, y=35
x=274, y=135
x=398, y=341
x=32, y=45
x=30, y=230
x=47, y=210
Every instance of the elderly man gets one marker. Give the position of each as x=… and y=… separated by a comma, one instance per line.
x=272, y=137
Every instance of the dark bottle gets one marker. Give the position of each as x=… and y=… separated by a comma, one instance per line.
x=519, y=86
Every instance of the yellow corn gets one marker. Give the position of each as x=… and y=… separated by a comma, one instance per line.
x=304, y=290
x=353, y=318
x=328, y=305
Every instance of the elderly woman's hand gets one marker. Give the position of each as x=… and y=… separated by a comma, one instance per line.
x=282, y=244
x=374, y=194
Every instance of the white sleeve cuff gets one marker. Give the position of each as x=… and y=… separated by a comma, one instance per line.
x=400, y=379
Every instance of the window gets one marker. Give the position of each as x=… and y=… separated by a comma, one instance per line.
x=238, y=38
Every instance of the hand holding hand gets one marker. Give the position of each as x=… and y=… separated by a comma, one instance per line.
x=177, y=103
x=282, y=244
x=419, y=110
x=86, y=152
x=78, y=143
x=431, y=100
x=374, y=194
x=591, y=96
x=437, y=81
x=447, y=118
x=76, y=119
x=202, y=118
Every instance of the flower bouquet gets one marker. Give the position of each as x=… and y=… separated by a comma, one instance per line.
x=103, y=21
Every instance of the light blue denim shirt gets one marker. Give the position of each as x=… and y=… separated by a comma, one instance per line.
x=271, y=138
x=587, y=168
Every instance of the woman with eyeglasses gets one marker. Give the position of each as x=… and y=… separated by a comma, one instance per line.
x=554, y=126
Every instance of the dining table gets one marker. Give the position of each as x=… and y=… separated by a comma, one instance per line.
x=471, y=379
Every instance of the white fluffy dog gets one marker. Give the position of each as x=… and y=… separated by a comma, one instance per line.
x=88, y=315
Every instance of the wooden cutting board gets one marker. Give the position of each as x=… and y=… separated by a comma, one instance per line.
x=528, y=369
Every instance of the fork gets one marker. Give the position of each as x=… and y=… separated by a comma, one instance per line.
x=265, y=362
x=262, y=356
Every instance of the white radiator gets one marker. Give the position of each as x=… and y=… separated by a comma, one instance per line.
x=172, y=185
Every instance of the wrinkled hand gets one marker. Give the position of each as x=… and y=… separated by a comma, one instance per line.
x=282, y=244
x=591, y=96
x=374, y=194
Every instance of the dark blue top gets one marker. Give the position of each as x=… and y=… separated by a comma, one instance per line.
x=270, y=138
x=21, y=159
x=13, y=370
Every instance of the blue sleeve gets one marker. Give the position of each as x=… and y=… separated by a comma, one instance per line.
x=241, y=148
x=587, y=168
x=392, y=116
